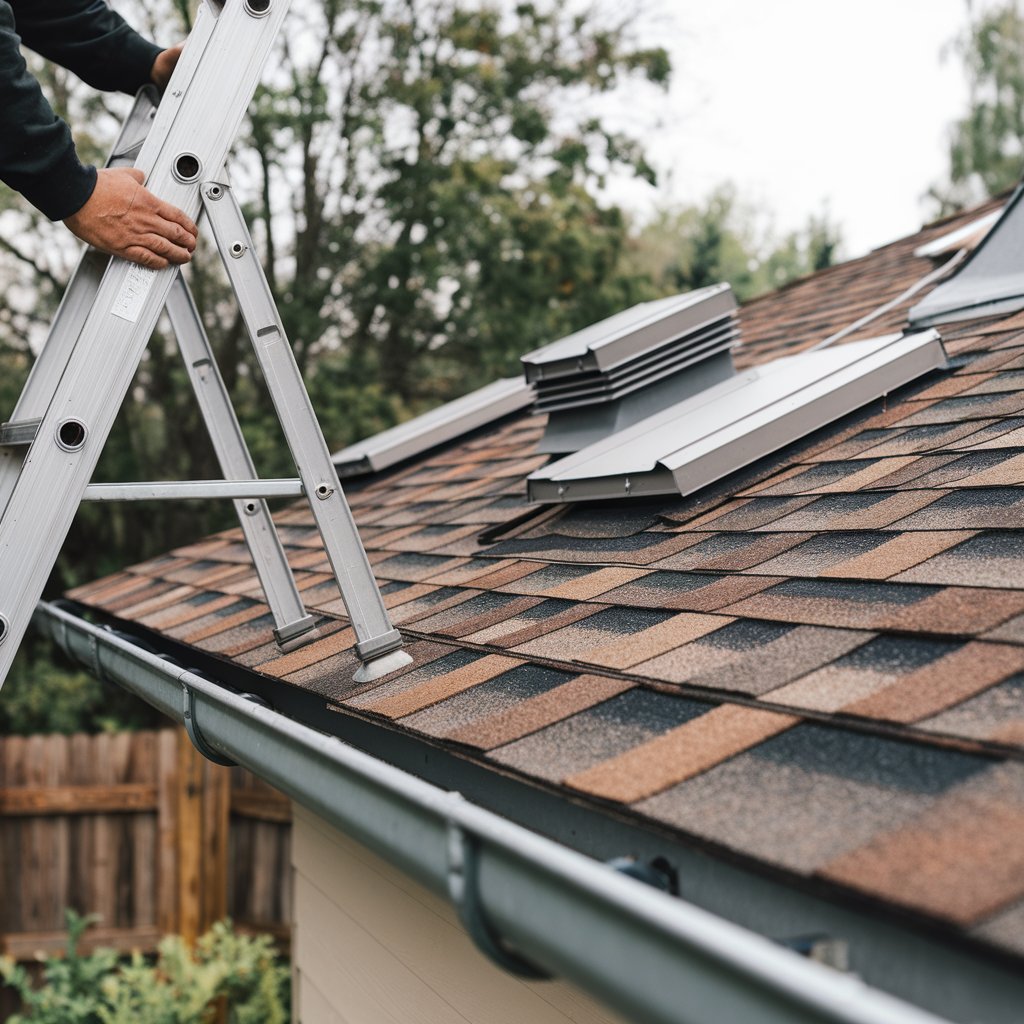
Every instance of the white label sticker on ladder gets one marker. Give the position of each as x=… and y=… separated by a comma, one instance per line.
x=132, y=297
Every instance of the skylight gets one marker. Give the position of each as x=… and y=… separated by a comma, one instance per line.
x=447, y=422
x=989, y=282
x=737, y=421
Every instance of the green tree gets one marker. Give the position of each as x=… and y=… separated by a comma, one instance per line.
x=986, y=145
x=442, y=163
x=725, y=239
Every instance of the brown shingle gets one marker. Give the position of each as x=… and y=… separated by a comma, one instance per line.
x=631, y=650
x=201, y=630
x=961, y=674
x=441, y=687
x=961, y=859
x=160, y=599
x=334, y=638
x=521, y=630
x=902, y=552
x=537, y=712
x=179, y=614
x=951, y=610
x=687, y=750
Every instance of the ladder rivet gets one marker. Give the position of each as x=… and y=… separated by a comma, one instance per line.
x=71, y=435
x=257, y=8
x=323, y=491
x=237, y=249
x=250, y=508
x=214, y=192
x=5, y=628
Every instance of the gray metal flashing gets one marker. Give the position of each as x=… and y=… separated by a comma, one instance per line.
x=651, y=956
x=735, y=422
x=625, y=335
x=570, y=429
x=990, y=282
x=592, y=386
x=445, y=423
x=948, y=243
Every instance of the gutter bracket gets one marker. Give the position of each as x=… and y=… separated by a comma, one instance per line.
x=464, y=889
x=657, y=873
x=194, y=732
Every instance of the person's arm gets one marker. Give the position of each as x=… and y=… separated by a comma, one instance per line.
x=110, y=209
x=88, y=38
x=37, y=155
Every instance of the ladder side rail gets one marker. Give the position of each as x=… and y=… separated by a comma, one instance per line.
x=268, y=555
x=74, y=306
x=194, y=126
x=379, y=643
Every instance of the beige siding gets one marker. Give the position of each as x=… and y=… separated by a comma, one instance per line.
x=372, y=946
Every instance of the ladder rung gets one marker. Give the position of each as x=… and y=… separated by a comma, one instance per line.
x=180, y=490
x=18, y=433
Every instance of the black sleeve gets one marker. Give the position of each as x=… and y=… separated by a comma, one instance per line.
x=37, y=155
x=88, y=38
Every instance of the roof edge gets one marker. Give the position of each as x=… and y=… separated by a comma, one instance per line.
x=559, y=907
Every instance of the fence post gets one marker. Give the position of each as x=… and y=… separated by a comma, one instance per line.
x=217, y=832
x=190, y=838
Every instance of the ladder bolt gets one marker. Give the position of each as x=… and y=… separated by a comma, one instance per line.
x=257, y=8
x=187, y=167
x=237, y=249
x=71, y=435
x=324, y=491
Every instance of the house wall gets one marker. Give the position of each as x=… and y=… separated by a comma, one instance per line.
x=371, y=946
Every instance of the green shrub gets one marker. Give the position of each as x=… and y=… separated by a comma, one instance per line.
x=180, y=986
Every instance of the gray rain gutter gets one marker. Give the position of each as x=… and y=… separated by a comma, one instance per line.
x=653, y=957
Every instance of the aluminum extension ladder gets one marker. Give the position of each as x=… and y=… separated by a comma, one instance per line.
x=50, y=446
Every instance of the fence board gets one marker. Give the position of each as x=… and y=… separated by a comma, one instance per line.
x=50, y=800
x=140, y=829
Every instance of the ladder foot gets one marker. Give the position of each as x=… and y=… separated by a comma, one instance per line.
x=382, y=665
x=296, y=634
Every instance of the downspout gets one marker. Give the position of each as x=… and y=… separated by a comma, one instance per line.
x=653, y=957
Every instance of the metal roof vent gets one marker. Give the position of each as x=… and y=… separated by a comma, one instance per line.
x=708, y=436
x=615, y=373
x=446, y=423
x=990, y=281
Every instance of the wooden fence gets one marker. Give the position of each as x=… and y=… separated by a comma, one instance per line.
x=140, y=829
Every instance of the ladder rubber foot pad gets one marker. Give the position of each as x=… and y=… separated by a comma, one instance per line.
x=382, y=666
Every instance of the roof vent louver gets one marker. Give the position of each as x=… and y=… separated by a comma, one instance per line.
x=989, y=282
x=615, y=373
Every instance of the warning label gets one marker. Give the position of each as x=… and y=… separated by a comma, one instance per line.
x=132, y=297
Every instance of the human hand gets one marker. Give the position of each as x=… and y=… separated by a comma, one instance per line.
x=123, y=218
x=164, y=64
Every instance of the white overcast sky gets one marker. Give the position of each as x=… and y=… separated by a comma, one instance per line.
x=808, y=104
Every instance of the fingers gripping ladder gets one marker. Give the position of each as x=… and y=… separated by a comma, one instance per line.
x=50, y=447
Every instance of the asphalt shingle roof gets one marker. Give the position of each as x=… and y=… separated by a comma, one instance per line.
x=818, y=667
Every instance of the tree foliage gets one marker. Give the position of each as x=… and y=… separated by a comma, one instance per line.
x=422, y=176
x=986, y=146
x=441, y=160
x=725, y=239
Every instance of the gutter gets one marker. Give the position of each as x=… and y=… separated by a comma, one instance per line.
x=529, y=902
